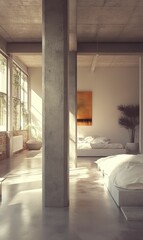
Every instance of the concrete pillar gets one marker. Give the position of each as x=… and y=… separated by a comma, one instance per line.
x=55, y=104
x=141, y=104
x=72, y=78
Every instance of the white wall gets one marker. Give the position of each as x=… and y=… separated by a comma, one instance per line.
x=35, y=75
x=110, y=87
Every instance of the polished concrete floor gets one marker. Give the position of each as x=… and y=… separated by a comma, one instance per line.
x=92, y=214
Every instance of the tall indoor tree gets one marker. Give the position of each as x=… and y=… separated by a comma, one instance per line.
x=129, y=119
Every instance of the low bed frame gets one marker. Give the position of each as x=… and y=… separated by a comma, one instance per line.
x=92, y=152
x=124, y=197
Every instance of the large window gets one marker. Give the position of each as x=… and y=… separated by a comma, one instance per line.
x=3, y=93
x=19, y=98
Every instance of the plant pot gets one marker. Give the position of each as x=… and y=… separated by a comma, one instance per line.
x=132, y=148
x=34, y=144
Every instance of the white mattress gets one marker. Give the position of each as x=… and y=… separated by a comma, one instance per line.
x=125, y=171
x=106, y=145
x=123, y=178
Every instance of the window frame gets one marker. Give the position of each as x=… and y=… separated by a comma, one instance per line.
x=6, y=94
x=22, y=72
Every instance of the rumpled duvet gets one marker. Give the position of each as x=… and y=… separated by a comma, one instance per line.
x=124, y=170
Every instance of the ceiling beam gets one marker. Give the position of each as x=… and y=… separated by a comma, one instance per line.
x=110, y=48
x=26, y=47
x=82, y=48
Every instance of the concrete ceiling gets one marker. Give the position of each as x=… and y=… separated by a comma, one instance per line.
x=30, y=60
x=97, y=21
x=94, y=61
x=110, y=20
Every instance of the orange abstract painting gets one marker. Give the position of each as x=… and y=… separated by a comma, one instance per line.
x=84, y=108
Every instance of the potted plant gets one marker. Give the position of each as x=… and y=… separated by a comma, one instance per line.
x=35, y=142
x=130, y=121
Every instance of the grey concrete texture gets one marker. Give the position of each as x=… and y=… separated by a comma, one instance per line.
x=55, y=104
x=97, y=21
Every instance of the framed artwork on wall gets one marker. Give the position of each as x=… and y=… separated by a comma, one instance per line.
x=84, y=108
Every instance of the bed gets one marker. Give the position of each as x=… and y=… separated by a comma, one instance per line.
x=123, y=176
x=98, y=146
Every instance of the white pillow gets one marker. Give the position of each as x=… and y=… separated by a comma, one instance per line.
x=89, y=139
x=98, y=145
x=101, y=140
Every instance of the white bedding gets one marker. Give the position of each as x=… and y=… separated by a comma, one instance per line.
x=97, y=143
x=124, y=170
x=98, y=146
x=83, y=145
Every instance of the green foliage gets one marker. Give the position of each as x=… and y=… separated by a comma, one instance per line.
x=129, y=118
x=3, y=63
